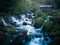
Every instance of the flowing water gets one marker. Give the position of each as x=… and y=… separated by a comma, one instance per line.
x=32, y=31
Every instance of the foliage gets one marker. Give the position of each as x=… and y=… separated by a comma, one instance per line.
x=52, y=27
x=16, y=6
x=39, y=19
x=6, y=5
x=55, y=3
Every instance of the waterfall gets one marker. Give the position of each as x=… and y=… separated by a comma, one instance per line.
x=4, y=22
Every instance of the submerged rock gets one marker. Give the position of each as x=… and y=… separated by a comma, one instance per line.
x=46, y=39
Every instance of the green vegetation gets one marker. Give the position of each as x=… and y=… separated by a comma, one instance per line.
x=52, y=27
x=39, y=19
x=9, y=7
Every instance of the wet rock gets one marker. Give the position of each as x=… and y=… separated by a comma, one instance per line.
x=46, y=39
x=38, y=22
x=13, y=23
x=30, y=17
x=26, y=20
x=37, y=25
x=24, y=23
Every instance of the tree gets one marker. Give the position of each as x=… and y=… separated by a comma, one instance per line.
x=55, y=3
x=6, y=5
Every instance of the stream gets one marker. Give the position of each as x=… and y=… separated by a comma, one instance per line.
x=24, y=22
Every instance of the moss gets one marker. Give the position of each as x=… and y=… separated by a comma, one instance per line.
x=12, y=32
x=38, y=22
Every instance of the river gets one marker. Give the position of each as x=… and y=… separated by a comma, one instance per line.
x=24, y=22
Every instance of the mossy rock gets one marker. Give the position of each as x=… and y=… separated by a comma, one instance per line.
x=12, y=32
x=38, y=22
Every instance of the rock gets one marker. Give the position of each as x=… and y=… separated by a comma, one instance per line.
x=20, y=37
x=46, y=39
x=24, y=23
x=38, y=22
x=30, y=17
x=13, y=23
x=36, y=25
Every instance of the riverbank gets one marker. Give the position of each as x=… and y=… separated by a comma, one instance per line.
x=52, y=28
